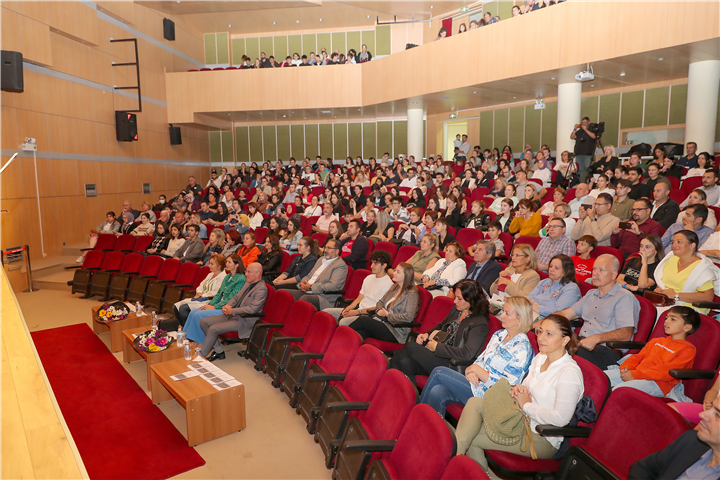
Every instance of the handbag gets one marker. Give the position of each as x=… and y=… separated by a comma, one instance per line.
x=659, y=299
x=504, y=421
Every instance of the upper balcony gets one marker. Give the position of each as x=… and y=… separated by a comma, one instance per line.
x=511, y=61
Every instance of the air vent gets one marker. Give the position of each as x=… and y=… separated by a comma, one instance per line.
x=146, y=189
x=90, y=190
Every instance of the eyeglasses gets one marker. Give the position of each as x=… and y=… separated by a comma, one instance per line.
x=638, y=209
x=596, y=203
x=556, y=226
x=518, y=255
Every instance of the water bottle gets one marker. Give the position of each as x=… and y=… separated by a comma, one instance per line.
x=137, y=309
x=180, y=336
x=153, y=321
x=187, y=353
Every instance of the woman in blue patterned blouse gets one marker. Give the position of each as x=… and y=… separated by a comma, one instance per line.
x=557, y=292
x=508, y=354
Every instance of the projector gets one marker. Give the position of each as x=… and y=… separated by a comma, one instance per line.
x=585, y=76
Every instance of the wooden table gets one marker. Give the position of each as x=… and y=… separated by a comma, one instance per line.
x=116, y=328
x=132, y=354
x=210, y=413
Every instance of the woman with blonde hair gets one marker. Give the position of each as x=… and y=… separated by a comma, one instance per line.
x=215, y=245
x=521, y=277
x=385, y=229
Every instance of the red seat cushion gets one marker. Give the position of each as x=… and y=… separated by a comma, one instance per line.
x=522, y=464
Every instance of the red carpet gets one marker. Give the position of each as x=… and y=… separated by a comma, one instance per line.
x=118, y=431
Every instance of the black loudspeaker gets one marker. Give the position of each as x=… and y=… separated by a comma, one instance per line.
x=12, y=72
x=168, y=29
x=175, y=137
x=126, y=126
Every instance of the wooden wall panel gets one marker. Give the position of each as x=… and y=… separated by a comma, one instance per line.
x=400, y=135
x=632, y=110
x=610, y=114
x=269, y=144
x=486, y=129
x=325, y=135
x=532, y=127
x=549, y=125
x=501, y=137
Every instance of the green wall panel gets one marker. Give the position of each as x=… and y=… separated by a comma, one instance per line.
x=340, y=143
x=400, y=137
x=338, y=42
x=517, y=120
x=717, y=122
x=256, y=145
x=297, y=139
x=610, y=114
x=324, y=41
x=269, y=143
x=384, y=138
x=311, y=141
x=632, y=110
x=280, y=45
x=368, y=39
x=223, y=53
x=678, y=104
x=491, y=7
x=252, y=48
x=589, y=108
x=295, y=45
x=382, y=39
x=326, y=140
x=210, y=49
x=532, y=127
x=505, y=9
x=283, y=142
x=242, y=146
x=238, y=50
x=355, y=140
x=266, y=45
x=353, y=41
x=227, y=146
x=309, y=44
x=486, y=130
x=656, y=106
x=500, y=138
x=215, y=148
x=549, y=125
x=369, y=140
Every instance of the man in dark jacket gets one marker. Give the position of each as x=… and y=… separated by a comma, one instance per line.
x=354, y=247
x=484, y=270
x=665, y=210
x=192, y=249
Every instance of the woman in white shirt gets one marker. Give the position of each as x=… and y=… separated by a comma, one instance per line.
x=314, y=210
x=255, y=218
x=145, y=227
x=601, y=186
x=446, y=272
x=543, y=173
x=703, y=164
x=207, y=289
x=548, y=395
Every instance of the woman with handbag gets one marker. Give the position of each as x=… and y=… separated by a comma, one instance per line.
x=460, y=335
x=548, y=395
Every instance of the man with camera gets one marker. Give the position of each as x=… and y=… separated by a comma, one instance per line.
x=584, y=146
x=626, y=236
x=596, y=220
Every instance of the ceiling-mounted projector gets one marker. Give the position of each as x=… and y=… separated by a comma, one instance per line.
x=585, y=75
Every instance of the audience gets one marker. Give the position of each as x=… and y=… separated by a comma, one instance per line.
x=557, y=292
x=664, y=209
x=556, y=242
x=596, y=220
x=521, y=277
x=271, y=258
x=693, y=220
x=484, y=270
x=324, y=284
x=446, y=272
x=638, y=273
x=192, y=248
x=206, y=291
x=626, y=235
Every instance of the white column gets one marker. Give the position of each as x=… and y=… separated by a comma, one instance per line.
x=568, y=115
x=415, y=133
x=702, y=100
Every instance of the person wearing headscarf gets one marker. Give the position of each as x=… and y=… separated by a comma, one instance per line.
x=543, y=172
x=128, y=224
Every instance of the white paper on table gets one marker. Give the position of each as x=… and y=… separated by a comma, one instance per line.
x=198, y=359
x=211, y=369
x=201, y=364
x=228, y=384
x=185, y=375
x=130, y=306
x=214, y=379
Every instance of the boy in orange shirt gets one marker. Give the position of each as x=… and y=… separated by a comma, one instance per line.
x=649, y=370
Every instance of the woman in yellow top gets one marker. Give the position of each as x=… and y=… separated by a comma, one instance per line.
x=527, y=222
x=686, y=276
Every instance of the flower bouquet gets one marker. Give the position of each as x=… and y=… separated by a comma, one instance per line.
x=112, y=312
x=153, y=341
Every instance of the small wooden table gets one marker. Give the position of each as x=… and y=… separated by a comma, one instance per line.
x=210, y=413
x=116, y=328
x=132, y=354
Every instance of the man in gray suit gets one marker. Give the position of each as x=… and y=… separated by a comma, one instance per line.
x=250, y=299
x=328, y=275
x=192, y=249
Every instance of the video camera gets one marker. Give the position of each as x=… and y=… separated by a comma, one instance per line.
x=597, y=128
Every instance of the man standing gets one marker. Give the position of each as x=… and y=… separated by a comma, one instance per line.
x=596, y=221
x=484, y=270
x=354, y=247
x=609, y=312
x=556, y=242
x=237, y=314
x=709, y=186
x=665, y=210
x=628, y=240
x=192, y=249
x=622, y=204
x=584, y=146
x=465, y=146
x=693, y=220
x=689, y=160
x=323, y=223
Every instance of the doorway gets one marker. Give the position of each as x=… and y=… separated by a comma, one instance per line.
x=451, y=130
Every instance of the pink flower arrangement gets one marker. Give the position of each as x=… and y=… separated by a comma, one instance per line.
x=153, y=341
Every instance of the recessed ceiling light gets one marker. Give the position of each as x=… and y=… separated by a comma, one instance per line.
x=431, y=7
x=320, y=19
x=552, y=78
x=228, y=114
x=274, y=23
x=514, y=98
x=660, y=59
x=297, y=21
x=414, y=103
x=474, y=92
x=367, y=16
x=592, y=85
x=324, y=111
x=283, y=116
x=622, y=74
x=229, y=26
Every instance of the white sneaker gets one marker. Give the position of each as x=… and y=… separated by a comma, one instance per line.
x=80, y=259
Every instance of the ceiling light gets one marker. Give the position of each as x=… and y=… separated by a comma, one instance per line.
x=367, y=16
x=229, y=26
x=297, y=21
x=324, y=111
x=514, y=98
x=414, y=103
x=622, y=74
x=660, y=59
x=592, y=85
x=283, y=116
x=431, y=7
x=320, y=19
x=274, y=23
x=475, y=92
x=552, y=78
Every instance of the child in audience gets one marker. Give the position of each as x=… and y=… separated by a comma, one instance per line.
x=649, y=370
x=494, y=230
x=583, y=262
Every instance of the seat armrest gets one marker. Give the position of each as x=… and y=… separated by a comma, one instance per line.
x=86, y=249
x=130, y=273
x=73, y=267
x=710, y=305
x=94, y=269
x=577, y=323
x=625, y=345
x=268, y=325
x=340, y=292
x=182, y=285
x=125, y=251
x=459, y=362
x=370, y=445
x=340, y=406
x=306, y=356
x=147, y=276
x=692, y=374
x=169, y=280
x=405, y=324
x=252, y=315
x=106, y=249
x=288, y=339
x=190, y=293
x=326, y=377
x=567, y=431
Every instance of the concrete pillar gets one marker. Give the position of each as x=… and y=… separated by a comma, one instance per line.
x=415, y=145
x=702, y=101
x=568, y=115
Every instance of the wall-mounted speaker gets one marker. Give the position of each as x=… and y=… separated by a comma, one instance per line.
x=11, y=73
x=168, y=29
x=126, y=126
x=175, y=137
